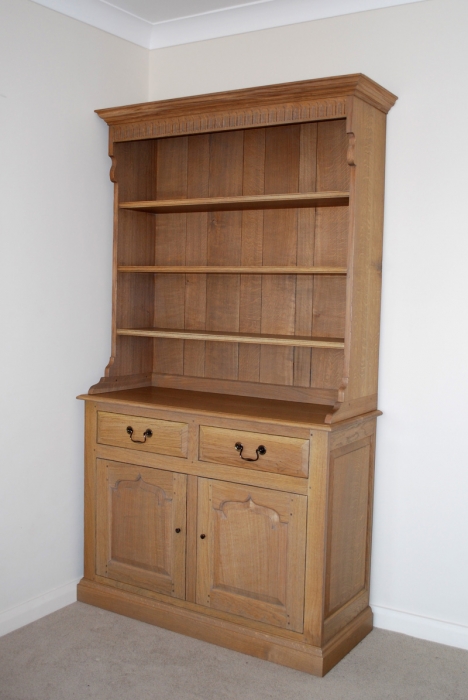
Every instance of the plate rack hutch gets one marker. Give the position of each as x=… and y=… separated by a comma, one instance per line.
x=230, y=444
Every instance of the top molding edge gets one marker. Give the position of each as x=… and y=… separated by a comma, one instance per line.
x=357, y=85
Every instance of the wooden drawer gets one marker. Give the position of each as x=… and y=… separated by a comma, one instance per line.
x=284, y=455
x=168, y=437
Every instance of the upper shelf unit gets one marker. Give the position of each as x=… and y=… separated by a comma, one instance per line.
x=271, y=287
x=241, y=203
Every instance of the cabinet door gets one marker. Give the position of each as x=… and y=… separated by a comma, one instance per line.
x=251, y=552
x=141, y=515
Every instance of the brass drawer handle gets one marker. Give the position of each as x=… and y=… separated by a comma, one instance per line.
x=147, y=434
x=261, y=450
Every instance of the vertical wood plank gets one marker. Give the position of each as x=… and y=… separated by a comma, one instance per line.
x=90, y=492
x=316, y=538
x=169, y=310
x=224, y=248
x=103, y=508
x=305, y=252
x=191, y=563
x=331, y=242
x=368, y=125
x=252, y=244
x=179, y=521
x=134, y=245
x=196, y=253
x=203, y=545
x=282, y=150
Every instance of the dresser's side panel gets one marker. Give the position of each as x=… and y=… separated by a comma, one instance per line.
x=366, y=155
x=316, y=537
x=349, y=525
x=90, y=491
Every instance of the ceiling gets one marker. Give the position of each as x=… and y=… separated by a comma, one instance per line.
x=160, y=23
x=163, y=10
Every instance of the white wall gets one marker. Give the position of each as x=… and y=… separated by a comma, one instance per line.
x=419, y=52
x=55, y=285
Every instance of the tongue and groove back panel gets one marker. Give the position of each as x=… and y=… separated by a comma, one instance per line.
x=274, y=160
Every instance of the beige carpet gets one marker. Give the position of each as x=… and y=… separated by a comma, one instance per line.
x=82, y=652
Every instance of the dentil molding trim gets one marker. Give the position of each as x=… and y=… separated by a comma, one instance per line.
x=250, y=17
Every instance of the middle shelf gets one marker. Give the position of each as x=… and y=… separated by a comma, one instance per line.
x=234, y=269
x=241, y=202
x=233, y=337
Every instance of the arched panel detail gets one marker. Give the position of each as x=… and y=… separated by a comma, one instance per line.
x=250, y=551
x=141, y=525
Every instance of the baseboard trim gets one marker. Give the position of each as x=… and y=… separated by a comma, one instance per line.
x=35, y=608
x=427, y=628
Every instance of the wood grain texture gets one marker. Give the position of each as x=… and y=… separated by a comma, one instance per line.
x=284, y=455
x=205, y=403
x=331, y=235
x=168, y=437
x=356, y=84
x=305, y=252
x=229, y=269
x=251, y=552
x=365, y=259
x=250, y=310
x=90, y=492
x=242, y=203
x=348, y=523
x=231, y=337
x=196, y=253
x=252, y=389
x=141, y=518
x=171, y=231
x=134, y=175
x=269, y=647
x=246, y=292
x=191, y=555
x=317, y=513
x=282, y=150
x=236, y=475
x=224, y=247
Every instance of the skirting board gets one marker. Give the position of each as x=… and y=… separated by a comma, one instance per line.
x=34, y=609
x=428, y=628
x=384, y=618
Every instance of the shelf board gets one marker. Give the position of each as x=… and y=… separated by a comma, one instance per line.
x=235, y=270
x=260, y=201
x=225, y=337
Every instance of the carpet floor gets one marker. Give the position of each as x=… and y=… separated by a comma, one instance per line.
x=82, y=652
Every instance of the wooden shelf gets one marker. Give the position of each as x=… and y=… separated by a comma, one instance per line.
x=246, y=202
x=225, y=337
x=229, y=269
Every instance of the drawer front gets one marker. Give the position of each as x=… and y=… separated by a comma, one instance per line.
x=167, y=437
x=283, y=455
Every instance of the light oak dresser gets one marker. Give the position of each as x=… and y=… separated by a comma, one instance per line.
x=230, y=444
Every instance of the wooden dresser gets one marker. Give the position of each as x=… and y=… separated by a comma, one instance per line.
x=230, y=444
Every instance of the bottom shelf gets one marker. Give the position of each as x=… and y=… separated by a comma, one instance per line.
x=227, y=337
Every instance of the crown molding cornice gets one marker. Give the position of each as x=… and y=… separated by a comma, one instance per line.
x=209, y=25
x=268, y=105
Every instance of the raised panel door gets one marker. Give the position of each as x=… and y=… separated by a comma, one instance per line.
x=141, y=526
x=251, y=552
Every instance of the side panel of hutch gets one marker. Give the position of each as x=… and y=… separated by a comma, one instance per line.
x=230, y=444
